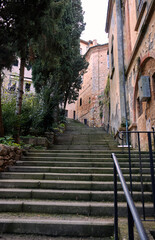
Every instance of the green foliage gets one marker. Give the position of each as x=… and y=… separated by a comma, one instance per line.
x=104, y=100
x=62, y=125
x=29, y=108
x=7, y=56
x=107, y=88
x=48, y=34
x=9, y=141
x=61, y=78
x=27, y=117
x=72, y=63
x=31, y=25
x=8, y=112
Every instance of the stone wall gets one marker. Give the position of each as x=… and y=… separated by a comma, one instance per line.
x=142, y=114
x=45, y=142
x=9, y=156
x=139, y=59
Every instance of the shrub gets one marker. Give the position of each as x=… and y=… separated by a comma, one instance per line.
x=8, y=112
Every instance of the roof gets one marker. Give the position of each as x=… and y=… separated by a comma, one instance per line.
x=99, y=45
x=86, y=42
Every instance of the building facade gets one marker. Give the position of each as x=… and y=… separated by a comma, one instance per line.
x=88, y=108
x=131, y=28
x=11, y=79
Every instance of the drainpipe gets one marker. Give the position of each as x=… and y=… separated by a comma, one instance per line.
x=118, y=6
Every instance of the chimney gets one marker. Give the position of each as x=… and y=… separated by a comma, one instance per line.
x=94, y=42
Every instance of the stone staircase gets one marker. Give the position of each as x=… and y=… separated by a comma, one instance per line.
x=68, y=190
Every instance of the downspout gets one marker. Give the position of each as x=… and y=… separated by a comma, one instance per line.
x=118, y=4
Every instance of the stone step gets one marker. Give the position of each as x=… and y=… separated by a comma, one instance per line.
x=68, y=190
x=79, y=147
x=69, y=185
x=98, y=209
x=121, y=150
x=79, y=164
x=86, y=142
x=23, y=193
x=84, y=155
x=80, y=159
x=78, y=151
x=69, y=176
x=57, y=226
x=89, y=170
x=14, y=236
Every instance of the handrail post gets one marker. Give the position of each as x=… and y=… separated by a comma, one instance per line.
x=151, y=168
x=130, y=224
x=130, y=170
x=133, y=210
x=153, y=137
x=115, y=204
x=141, y=176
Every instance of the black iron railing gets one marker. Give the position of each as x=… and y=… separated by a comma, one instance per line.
x=141, y=140
x=132, y=211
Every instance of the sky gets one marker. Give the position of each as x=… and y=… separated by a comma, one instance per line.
x=95, y=19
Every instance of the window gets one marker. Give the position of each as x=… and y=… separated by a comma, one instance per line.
x=82, y=79
x=112, y=56
x=85, y=121
x=89, y=100
x=153, y=85
x=139, y=107
x=27, y=87
x=80, y=101
x=66, y=113
x=108, y=59
x=15, y=63
x=12, y=87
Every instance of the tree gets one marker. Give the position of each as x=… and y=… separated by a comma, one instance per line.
x=60, y=65
x=7, y=57
x=27, y=19
x=72, y=64
x=61, y=70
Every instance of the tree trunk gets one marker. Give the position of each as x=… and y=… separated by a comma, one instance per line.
x=1, y=120
x=66, y=98
x=19, y=99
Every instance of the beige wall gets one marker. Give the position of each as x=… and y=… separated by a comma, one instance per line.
x=115, y=105
x=12, y=77
x=139, y=59
x=71, y=111
x=138, y=55
x=70, y=108
x=144, y=67
x=94, y=82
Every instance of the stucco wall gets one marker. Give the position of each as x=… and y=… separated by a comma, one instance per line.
x=94, y=82
x=143, y=64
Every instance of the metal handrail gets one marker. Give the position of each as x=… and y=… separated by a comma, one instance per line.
x=132, y=208
x=150, y=147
